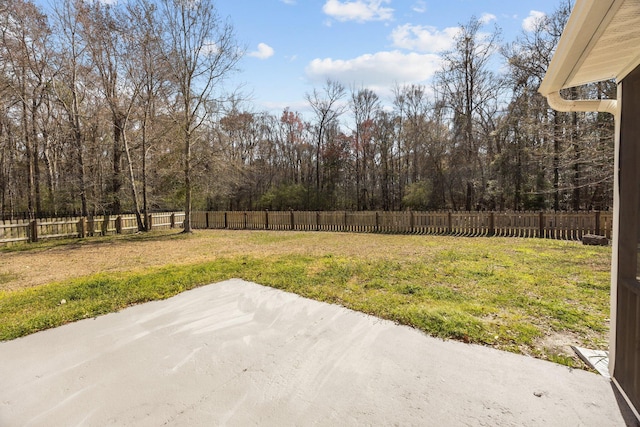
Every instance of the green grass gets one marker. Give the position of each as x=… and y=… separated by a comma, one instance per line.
x=505, y=293
x=5, y=277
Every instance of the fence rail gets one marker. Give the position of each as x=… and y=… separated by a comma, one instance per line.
x=24, y=230
x=549, y=225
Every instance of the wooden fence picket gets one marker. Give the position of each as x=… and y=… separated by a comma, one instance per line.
x=550, y=225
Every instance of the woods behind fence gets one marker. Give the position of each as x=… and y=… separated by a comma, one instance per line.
x=550, y=225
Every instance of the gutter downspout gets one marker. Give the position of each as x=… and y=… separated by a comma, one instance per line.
x=557, y=102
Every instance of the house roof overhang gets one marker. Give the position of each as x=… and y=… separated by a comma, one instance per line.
x=600, y=41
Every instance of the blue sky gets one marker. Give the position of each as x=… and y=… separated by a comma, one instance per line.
x=295, y=45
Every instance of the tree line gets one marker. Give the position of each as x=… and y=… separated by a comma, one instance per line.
x=113, y=108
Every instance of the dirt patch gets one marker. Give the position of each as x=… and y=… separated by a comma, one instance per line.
x=558, y=342
x=33, y=268
x=556, y=346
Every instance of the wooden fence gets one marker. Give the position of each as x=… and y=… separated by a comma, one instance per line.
x=550, y=225
x=34, y=230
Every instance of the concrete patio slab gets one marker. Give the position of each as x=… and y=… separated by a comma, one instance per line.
x=237, y=353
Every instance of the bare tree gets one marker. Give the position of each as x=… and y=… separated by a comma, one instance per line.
x=109, y=34
x=151, y=75
x=327, y=108
x=365, y=105
x=25, y=45
x=127, y=95
x=536, y=136
x=69, y=88
x=200, y=50
x=384, y=134
x=466, y=85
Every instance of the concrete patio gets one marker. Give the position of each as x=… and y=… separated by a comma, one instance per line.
x=237, y=353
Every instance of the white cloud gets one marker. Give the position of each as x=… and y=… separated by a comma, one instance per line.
x=291, y=2
x=264, y=51
x=488, y=17
x=379, y=70
x=530, y=22
x=358, y=10
x=419, y=7
x=423, y=38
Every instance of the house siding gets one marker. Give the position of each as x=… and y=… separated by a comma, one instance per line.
x=626, y=371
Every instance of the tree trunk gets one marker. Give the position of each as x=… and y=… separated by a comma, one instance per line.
x=81, y=170
x=556, y=161
x=26, y=134
x=187, y=181
x=145, y=210
x=36, y=155
x=116, y=176
x=576, y=162
x=132, y=180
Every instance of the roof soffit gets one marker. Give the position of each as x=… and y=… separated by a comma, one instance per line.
x=601, y=41
x=615, y=48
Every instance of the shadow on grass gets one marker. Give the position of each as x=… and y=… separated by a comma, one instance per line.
x=74, y=243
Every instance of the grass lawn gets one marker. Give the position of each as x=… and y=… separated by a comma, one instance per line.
x=528, y=296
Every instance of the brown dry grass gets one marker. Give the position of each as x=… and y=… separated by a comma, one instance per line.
x=52, y=262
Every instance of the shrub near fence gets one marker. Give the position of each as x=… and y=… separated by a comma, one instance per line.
x=551, y=225
x=33, y=230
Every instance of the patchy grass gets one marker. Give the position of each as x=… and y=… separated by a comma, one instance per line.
x=528, y=296
x=6, y=277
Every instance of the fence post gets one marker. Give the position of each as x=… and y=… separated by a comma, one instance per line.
x=33, y=231
x=266, y=219
x=82, y=227
x=244, y=219
x=118, y=224
x=291, y=219
x=411, y=221
x=377, y=228
x=492, y=225
x=104, y=228
x=449, y=223
x=317, y=220
x=541, y=225
x=91, y=226
x=172, y=220
x=597, y=230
